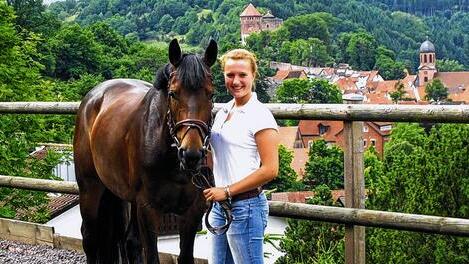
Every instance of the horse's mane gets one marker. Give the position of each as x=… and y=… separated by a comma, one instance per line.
x=162, y=77
x=191, y=71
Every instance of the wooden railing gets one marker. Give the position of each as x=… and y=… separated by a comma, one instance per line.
x=354, y=216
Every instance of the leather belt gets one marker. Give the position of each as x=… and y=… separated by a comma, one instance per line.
x=246, y=195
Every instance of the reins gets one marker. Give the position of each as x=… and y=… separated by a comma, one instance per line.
x=200, y=178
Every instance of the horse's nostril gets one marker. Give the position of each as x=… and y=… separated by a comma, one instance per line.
x=192, y=154
x=192, y=157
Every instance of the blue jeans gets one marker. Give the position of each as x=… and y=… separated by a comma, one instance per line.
x=243, y=242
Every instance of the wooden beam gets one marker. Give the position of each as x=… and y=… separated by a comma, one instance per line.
x=38, y=184
x=363, y=217
x=363, y=112
x=373, y=218
x=354, y=184
x=26, y=232
x=39, y=107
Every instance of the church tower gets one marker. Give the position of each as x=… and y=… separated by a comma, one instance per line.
x=251, y=21
x=427, y=68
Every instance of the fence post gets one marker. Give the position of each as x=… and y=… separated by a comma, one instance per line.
x=354, y=183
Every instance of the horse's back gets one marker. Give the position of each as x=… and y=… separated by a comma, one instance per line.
x=105, y=117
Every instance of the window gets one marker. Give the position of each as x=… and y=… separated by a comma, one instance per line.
x=322, y=129
x=425, y=58
x=365, y=128
x=364, y=142
x=373, y=142
x=425, y=79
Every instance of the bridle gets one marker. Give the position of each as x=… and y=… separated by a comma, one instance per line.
x=200, y=177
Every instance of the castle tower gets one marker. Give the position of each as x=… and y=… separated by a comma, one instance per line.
x=269, y=22
x=251, y=21
x=427, y=68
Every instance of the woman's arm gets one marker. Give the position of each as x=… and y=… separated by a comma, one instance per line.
x=267, y=145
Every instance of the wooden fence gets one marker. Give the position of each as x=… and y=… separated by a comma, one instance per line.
x=354, y=216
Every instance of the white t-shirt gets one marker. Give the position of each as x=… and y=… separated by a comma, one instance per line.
x=234, y=148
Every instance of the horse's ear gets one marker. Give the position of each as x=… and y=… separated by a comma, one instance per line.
x=211, y=52
x=175, y=53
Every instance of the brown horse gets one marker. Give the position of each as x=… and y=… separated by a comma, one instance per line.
x=135, y=148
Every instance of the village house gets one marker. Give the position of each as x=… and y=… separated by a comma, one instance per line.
x=375, y=134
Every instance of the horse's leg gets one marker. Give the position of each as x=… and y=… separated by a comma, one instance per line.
x=91, y=192
x=133, y=247
x=188, y=225
x=111, y=229
x=103, y=223
x=148, y=219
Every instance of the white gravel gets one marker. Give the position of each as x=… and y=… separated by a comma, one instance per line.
x=19, y=253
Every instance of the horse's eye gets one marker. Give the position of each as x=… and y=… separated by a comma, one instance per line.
x=172, y=94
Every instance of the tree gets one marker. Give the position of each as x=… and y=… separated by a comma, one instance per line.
x=448, y=65
x=373, y=168
x=307, y=26
x=76, y=52
x=112, y=42
x=436, y=91
x=423, y=174
x=310, y=52
x=325, y=165
x=316, y=91
x=389, y=69
x=287, y=179
x=308, y=241
x=20, y=77
x=166, y=23
x=399, y=92
x=362, y=50
x=20, y=80
x=31, y=15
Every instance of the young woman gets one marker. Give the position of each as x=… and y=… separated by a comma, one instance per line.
x=244, y=144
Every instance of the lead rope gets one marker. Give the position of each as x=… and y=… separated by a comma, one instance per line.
x=203, y=183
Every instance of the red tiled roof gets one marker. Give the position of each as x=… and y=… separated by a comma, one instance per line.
x=386, y=86
x=346, y=83
x=281, y=75
x=250, y=10
x=457, y=84
x=377, y=98
x=377, y=127
x=311, y=128
x=288, y=74
x=296, y=74
x=59, y=204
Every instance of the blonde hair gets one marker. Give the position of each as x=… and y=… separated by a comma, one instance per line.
x=240, y=54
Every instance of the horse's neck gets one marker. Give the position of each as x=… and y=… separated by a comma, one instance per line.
x=156, y=138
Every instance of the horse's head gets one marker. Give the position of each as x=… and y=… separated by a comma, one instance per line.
x=190, y=92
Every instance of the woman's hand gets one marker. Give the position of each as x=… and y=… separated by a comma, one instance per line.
x=215, y=194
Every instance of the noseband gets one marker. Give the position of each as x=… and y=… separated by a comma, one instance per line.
x=200, y=177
